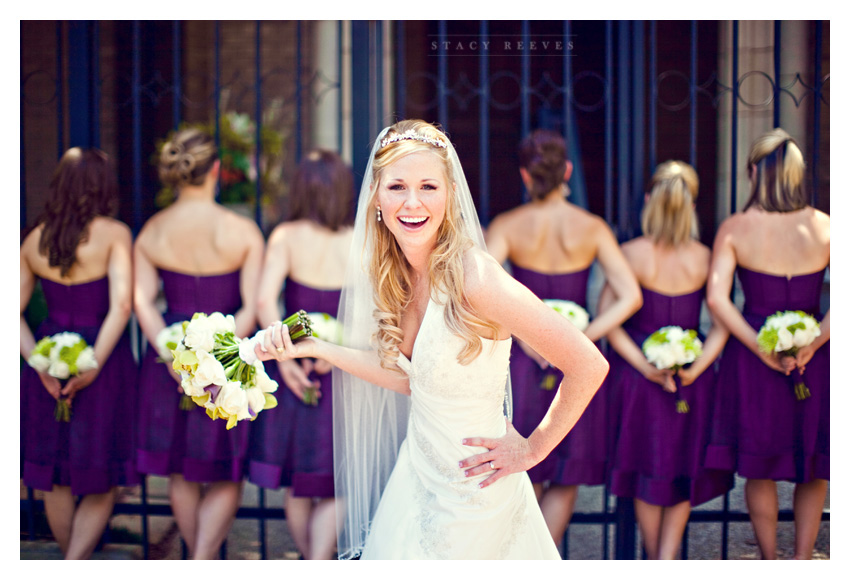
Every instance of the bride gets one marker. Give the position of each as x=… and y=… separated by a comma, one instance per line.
x=429, y=466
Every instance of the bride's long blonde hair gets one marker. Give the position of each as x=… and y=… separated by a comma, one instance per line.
x=389, y=269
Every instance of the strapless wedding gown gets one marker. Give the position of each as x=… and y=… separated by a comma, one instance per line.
x=429, y=509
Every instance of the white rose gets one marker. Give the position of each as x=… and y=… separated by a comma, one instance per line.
x=221, y=323
x=256, y=399
x=59, y=369
x=86, y=360
x=803, y=337
x=261, y=378
x=200, y=334
x=232, y=400
x=784, y=340
x=39, y=362
x=190, y=387
x=66, y=339
x=209, y=371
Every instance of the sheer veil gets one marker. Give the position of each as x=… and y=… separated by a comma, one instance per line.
x=370, y=422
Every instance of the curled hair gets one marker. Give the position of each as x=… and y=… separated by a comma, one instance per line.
x=187, y=158
x=668, y=216
x=544, y=155
x=322, y=190
x=776, y=169
x=389, y=269
x=83, y=186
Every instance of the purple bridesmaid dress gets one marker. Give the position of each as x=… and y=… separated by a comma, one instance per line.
x=292, y=444
x=760, y=429
x=173, y=440
x=94, y=451
x=658, y=452
x=581, y=457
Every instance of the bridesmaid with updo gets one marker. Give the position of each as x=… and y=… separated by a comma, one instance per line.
x=203, y=258
x=659, y=450
x=81, y=256
x=550, y=245
x=778, y=247
x=292, y=444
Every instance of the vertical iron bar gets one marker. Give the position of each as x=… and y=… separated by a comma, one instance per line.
x=258, y=146
x=379, y=75
x=60, y=93
x=137, y=128
x=95, y=83
x=724, y=529
x=623, y=127
x=734, y=169
x=400, y=91
x=361, y=129
x=818, y=94
x=638, y=127
x=442, y=74
x=23, y=205
x=606, y=543
x=146, y=540
x=217, y=94
x=484, y=130
x=609, y=123
x=693, y=90
x=653, y=104
x=526, y=79
x=262, y=522
x=339, y=133
x=568, y=75
x=298, y=95
x=777, y=69
x=175, y=64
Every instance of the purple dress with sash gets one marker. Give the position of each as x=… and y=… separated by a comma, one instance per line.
x=94, y=450
x=760, y=429
x=292, y=444
x=188, y=442
x=581, y=457
x=658, y=453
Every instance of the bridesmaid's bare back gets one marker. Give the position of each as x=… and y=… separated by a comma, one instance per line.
x=93, y=253
x=197, y=237
x=666, y=269
x=317, y=255
x=782, y=244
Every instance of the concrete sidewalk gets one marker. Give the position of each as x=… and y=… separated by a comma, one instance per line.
x=585, y=541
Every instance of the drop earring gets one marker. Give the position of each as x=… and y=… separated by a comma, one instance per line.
x=379, y=214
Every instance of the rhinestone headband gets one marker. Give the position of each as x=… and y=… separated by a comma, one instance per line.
x=411, y=134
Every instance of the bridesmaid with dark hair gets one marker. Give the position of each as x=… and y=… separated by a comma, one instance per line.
x=292, y=444
x=658, y=452
x=82, y=257
x=550, y=245
x=205, y=258
x=779, y=248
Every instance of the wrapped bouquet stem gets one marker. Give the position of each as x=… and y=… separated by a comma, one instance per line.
x=221, y=372
x=672, y=347
x=62, y=356
x=784, y=333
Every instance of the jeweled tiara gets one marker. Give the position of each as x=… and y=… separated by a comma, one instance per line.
x=411, y=134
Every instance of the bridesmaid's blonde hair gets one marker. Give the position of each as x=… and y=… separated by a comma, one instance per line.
x=389, y=269
x=776, y=170
x=668, y=216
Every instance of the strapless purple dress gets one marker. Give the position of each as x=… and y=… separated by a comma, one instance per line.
x=581, y=457
x=188, y=442
x=658, y=452
x=760, y=429
x=94, y=451
x=292, y=444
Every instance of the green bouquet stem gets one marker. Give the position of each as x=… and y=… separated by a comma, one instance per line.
x=62, y=413
x=299, y=326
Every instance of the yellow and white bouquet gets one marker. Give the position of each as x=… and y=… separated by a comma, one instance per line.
x=220, y=370
x=62, y=355
x=575, y=314
x=784, y=333
x=672, y=347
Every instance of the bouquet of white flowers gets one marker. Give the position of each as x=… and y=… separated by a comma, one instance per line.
x=575, y=314
x=784, y=333
x=62, y=355
x=671, y=347
x=220, y=370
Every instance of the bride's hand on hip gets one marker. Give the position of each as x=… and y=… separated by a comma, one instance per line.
x=504, y=456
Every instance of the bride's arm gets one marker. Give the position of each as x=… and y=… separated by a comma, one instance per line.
x=499, y=298
x=364, y=364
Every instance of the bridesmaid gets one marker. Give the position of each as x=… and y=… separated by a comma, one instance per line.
x=82, y=257
x=779, y=248
x=658, y=452
x=207, y=259
x=292, y=444
x=551, y=245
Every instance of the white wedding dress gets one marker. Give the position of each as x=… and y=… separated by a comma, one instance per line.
x=429, y=509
